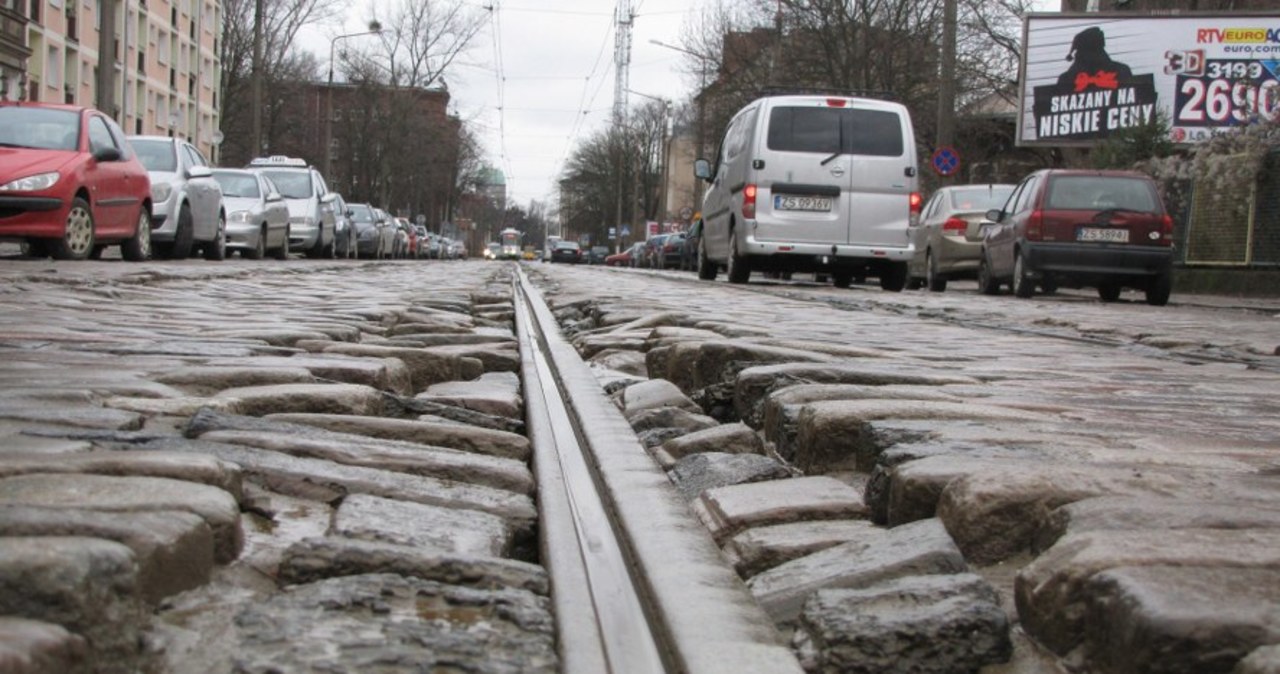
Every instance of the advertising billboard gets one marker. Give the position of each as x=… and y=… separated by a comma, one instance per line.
x=1087, y=76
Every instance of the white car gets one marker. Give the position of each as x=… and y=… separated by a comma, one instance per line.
x=187, y=211
x=312, y=221
x=258, y=220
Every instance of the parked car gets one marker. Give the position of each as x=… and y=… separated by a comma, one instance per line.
x=371, y=241
x=1077, y=228
x=459, y=249
x=491, y=250
x=692, y=241
x=409, y=236
x=948, y=238
x=257, y=217
x=626, y=258
x=597, y=254
x=70, y=184
x=187, y=213
x=668, y=254
x=344, y=231
x=812, y=184
x=424, y=242
x=652, y=246
x=566, y=251
x=312, y=221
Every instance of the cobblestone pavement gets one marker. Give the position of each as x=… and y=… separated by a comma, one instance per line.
x=252, y=467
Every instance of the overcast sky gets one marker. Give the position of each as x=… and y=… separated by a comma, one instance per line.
x=557, y=78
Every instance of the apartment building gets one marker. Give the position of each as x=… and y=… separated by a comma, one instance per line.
x=163, y=54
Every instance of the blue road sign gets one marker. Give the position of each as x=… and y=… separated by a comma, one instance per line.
x=945, y=161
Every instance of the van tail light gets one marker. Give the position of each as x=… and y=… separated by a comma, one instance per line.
x=1035, y=225
x=1166, y=229
x=749, y=202
x=954, y=226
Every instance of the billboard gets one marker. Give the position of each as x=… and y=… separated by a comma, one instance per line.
x=1087, y=76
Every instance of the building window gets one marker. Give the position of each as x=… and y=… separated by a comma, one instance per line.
x=53, y=68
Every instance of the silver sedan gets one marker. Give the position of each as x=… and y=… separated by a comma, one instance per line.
x=948, y=238
x=257, y=216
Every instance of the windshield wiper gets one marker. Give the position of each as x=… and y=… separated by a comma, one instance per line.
x=839, y=148
x=13, y=145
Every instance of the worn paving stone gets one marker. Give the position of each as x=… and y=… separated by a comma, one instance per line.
x=423, y=527
x=697, y=473
x=426, y=367
x=777, y=412
x=327, y=482
x=725, y=438
x=501, y=444
x=701, y=364
x=35, y=647
x=727, y=510
x=917, y=549
x=496, y=393
x=173, y=549
x=590, y=346
x=494, y=357
x=111, y=494
x=671, y=417
x=84, y=416
x=918, y=625
x=402, y=457
x=761, y=548
x=177, y=466
x=317, y=558
x=1147, y=513
x=1264, y=660
x=382, y=622
x=1179, y=619
x=311, y=398
x=620, y=360
x=655, y=394
x=87, y=585
x=1052, y=592
x=209, y=379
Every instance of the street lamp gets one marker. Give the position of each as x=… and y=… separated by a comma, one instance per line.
x=374, y=29
x=702, y=88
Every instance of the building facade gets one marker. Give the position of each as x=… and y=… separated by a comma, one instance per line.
x=163, y=55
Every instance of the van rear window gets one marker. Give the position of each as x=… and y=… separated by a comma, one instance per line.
x=829, y=130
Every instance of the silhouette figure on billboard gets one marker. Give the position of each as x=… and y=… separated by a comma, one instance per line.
x=1091, y=66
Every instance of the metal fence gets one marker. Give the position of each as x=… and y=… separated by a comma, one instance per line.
x=1233, y=225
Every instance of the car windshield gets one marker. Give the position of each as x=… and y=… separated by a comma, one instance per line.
x=979, y=199
x=236, y=184
x=361, y=213
x=1099, y=193
x=292, y=184
x=39, y=128
x=876, y=133
x=156, y=155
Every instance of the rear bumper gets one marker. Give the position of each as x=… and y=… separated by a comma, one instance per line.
x=1091, y=260
x=835, y=251
x=957, y=256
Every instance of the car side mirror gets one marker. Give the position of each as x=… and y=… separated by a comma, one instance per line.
x=199, y=172
x=702, y=169
x=107, y=154
x=274, y=196
x=995, y=215
x=328, y=198
x=351, y=213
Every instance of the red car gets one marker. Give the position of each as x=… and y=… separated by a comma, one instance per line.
x=70, y=184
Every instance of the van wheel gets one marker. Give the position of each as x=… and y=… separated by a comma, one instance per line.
x=841, y=279
x=1023, y=286
x=932, y=279
x=987, y=284
x=706, y=268
x=739, y=271
x=893, y=278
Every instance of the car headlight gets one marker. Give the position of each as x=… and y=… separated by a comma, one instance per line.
x=40, y=181
x=239, y=216
x=160, y=192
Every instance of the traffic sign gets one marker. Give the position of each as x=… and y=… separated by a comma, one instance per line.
x=945, y=160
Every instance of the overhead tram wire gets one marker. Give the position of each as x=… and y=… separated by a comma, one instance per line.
x=500, y=73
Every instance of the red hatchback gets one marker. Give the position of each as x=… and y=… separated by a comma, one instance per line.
x=1074, y=228
x=70, y=184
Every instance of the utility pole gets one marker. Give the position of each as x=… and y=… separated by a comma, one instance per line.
x=256, y=78
x=105, y=96
x=622, y=63
x=946, y=128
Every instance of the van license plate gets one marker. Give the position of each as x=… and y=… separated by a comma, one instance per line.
x=1115, y=235
x=794, y=203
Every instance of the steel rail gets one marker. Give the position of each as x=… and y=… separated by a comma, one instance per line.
x=638, y=585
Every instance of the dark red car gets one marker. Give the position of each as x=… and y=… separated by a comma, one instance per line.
x=1075, y=228
x=70, y=185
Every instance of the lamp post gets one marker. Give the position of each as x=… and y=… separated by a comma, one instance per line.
x=702, y=88
x=374, y=29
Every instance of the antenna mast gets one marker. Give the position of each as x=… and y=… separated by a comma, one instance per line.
x=622, y=62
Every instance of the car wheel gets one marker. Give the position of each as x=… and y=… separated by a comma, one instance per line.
x=739, y=271
x=842, y=279
x=183, y=236
x=935, y=282
x=1023, y=286
x=894, y=277
x=137, y=248
x=216, y=250
x=77, y=239
x=260, y=246
x=987, y=284
x=1109, y=291
x=282, y=253
x=706, y=269
x=1159, y=288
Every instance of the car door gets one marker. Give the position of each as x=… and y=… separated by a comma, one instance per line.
x=114, y=204
x=1002, y=243
x=277, y=211
x=325, y=215
x=203, y=192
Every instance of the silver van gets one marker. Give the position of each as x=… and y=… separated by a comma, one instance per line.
x=814, y=183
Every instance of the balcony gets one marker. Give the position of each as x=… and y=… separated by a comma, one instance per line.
x=13, y=36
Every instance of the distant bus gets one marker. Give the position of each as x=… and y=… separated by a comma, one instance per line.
x=510, y=240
